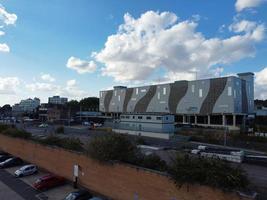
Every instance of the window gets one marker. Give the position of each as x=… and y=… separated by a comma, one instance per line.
x=143, y=90
x=148, y=117
x=127, y=117
x=158, y=95
x=122, y=117
x=119, y=98
x=158, y=118
x=115, y=93
x=200, y=93
x=234, y=93
x=133, y=117
x=136, y=91
x=100, y=94
x=193, y=88
x=167, y=118
x=229, y=91
x=164, y=91
x=140, y=117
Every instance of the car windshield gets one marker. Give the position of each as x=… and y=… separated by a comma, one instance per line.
x=71, y=196
x=8, y=160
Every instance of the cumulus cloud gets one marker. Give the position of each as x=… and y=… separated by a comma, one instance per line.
x=70, y=89
x=6, y=17
x=158, y=40
x=8, y=85
x=2, y=33
x=4, y=47
x=81, y=66
x=244, y=4
x=261, y=84
x=47, y=77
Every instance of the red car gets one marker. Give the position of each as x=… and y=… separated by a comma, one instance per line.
x=48, y=181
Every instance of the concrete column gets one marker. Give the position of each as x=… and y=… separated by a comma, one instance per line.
x=224, y=120
x=184, y=119
x=208, y=119
x=234, y=120
x=195, y=119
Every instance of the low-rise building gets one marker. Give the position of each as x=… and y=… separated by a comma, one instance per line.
x=146, y=124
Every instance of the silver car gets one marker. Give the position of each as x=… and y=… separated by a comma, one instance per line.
x=26, y=170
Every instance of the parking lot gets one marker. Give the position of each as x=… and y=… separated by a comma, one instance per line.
x=21, y=188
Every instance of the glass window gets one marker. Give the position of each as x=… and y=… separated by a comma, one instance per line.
x=136, y=91
x=234, y=93
x=164, y=91
x=140, y=117
x=200, y=93
x=119, y=98
x=127, y=117
x=229, y=91
x=133, y=117
x=158, y=118
x=115, y=93
x=158, y=95
x=193, y=88
x=148, y=117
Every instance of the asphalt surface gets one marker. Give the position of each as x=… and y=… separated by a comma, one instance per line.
x=22, y=189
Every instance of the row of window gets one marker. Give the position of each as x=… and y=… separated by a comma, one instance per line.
x=141, y=117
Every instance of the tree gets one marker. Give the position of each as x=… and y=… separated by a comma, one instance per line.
x=90, y=104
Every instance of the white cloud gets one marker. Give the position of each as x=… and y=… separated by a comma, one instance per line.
x=81, y=66
x=158, y=40
x=47, y=77
x=4, y=47
x=8, y=85
x=6, y=17
x=244, y=4
x=261, y=84
x=42, y=87
x=70, y=90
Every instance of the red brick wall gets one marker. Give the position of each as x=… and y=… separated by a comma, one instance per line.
x=118, y=181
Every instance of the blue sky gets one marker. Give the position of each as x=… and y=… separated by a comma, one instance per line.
x=61, y=46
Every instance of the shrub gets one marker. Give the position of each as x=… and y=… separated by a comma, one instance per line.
x=211, y=172
x=112, y=147
x=3, y=127
x=13, y=132
x=60, y=130
x=154, y=162
x=67, y=143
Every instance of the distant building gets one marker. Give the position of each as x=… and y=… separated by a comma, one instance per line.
x=146, y=124
x=260, y=110
x=53, y=112
x=215, y=102
x=57, y=100
x=26, y=106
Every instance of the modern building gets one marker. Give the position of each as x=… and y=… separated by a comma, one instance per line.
x=146, y=124
x=260, y=110
x=57, y=100
x=26, y=106
x=220, y=102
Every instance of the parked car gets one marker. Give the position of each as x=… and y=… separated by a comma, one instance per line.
x=11, y=162
x=43, y=125
x=48, y=181
x=26, y=170
x=96, y=198
x=79, y=195
x=4, y=157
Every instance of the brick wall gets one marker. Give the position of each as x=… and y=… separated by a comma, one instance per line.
x=118, y=181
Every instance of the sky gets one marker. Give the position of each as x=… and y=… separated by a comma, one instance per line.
x=77, y=48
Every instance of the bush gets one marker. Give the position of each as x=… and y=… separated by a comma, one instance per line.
x=13, y=132
x=153, y=161
x=66, y=143
x=211, y=172
x=60, y=130
x=4, y=127
x=112, y=147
